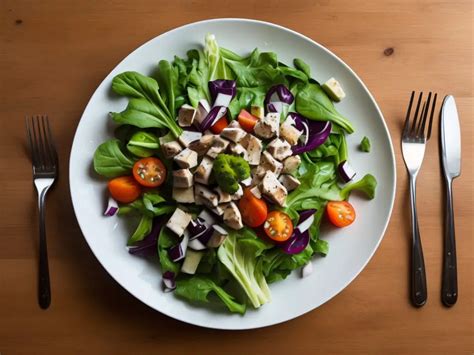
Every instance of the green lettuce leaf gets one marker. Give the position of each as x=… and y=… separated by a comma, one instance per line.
x=110, y=160
x=198, y=287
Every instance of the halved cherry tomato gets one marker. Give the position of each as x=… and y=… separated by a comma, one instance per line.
x=278, y=226
x=340, y=213
x=247, y=121
x=149, y=172
x=219, y=126
x=253, y=210
x=124, y=189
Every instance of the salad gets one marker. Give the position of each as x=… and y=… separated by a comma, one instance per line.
x=229, y=164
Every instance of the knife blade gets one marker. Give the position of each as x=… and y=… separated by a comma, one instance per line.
x=450, y=136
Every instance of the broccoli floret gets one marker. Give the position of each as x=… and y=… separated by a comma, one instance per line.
x=228, y=170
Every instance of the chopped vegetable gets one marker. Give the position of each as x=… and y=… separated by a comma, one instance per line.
x=367, y=184
x=247, y=121
x=228, y=170
x=149, y=172
x=124, y=189
x=365, y=144
x=346, y=172
x=278, y=226
x=253, y=210
x=340, y=213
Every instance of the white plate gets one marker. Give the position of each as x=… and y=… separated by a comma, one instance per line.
x=350, y=248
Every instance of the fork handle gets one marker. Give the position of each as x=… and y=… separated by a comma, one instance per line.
x=418, y=275
x=449, y=289
x=44, y=288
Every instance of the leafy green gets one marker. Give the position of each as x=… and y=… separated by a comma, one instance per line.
x=208, y=261
x=217, y=66
x=167, y=77
x=367, y=184
x=197, y=288
x=277, y=265
x=313, y=103
x=335, y=149
x=247, y=97
x=365, y=145
x=301, y=65
x=166, y=240
x=146, y=107
x=198, y=77
x=239, y=253
x=110, y=160
x=228, y=170
x=142, y=230
x=143, y=144
x=151, y=204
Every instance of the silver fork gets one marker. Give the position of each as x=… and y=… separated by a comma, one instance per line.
x=45, y=170
x=414, y=138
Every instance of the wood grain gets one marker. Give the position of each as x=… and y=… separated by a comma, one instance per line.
x=53, y=54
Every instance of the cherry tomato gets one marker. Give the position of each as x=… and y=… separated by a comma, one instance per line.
x=247, y=121
x=340, y=213
x=124, y=189
x=219, y=126
x=278, y=226
x=149, y=172
x=253, y=210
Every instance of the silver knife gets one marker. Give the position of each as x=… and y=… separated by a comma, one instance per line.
x=450, y=136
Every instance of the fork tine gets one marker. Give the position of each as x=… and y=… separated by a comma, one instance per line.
x=431, y=116
x=421, y=126
x=37, y=143
x=49, y=159
x=412, y=130
x=51, y=142
x=33, y=152
x=407, y=119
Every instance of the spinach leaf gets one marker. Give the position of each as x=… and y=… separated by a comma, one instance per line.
x=367, y=185
x=110, y=161
x=245, y=97
x=197, y=288
x=167, y=77
x=301, y=65
x=166, y=240
x=277, y=265
x=143, y=144
x=143, y=229
x=313, y=103
x=198, y=77
x=146, y=107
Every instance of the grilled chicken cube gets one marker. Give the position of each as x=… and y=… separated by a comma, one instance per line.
x=202, y=145
x=234, y=124
x=289, y=182
x=187, y=159
x=183, y=195
x=171, y=149
x=233, y=134
x=202, y=111
x=179, y=221
x=256, y=192
x=187, y=137
x=269, y=163
x=203, y=171
x=218, y=146
x=290, y=164
x=268, y=127
x=280, y=149
x=224, y=197
x=232, y=216
x=186, y=115
x=182, y=178
x=207, y=217
x=273, y=189
x=254, y=149
x=218, y=236
x=206, y=196
x=219, y=209
x=238, y=194
x=289, y=132
x=246, y=182
x=237, y=149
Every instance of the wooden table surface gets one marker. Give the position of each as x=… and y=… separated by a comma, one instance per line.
x=53, y=56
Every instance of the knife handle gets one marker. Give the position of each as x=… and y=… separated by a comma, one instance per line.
x=418, y=289
x=449, y=289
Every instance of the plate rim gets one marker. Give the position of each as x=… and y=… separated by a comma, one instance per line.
x=313, y=42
